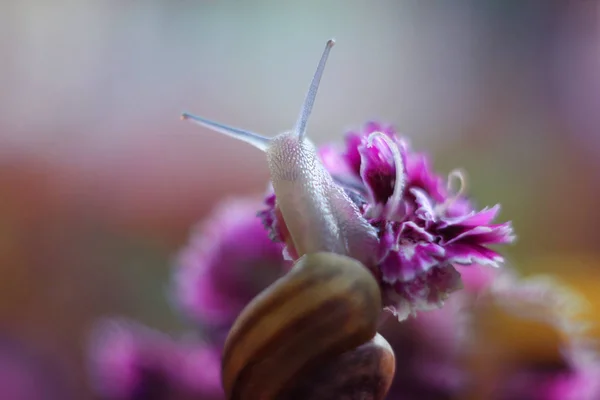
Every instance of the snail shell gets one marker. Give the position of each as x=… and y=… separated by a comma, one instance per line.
x=364, y=373
x=311, y=335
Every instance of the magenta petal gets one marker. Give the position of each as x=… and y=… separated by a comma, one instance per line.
x=334, y=161
x=478, y=231
x=410, y=260
x=473, y=219
x=414, y=231
x=458, y=206
x=198, y=369
x=352, y=155
x=419, y=175
x=426, y=292
x=269, y=218
x=201, y=297
x=472, y=254
x=229, y=260
x=422, y=227
x=501, y=234
x=492, y=234
x=377, y=170
x=581, y=384
x=354, y=140
x=387, y=239
x=129, y=360
x=475, y=278
x=498, y=234
x=425, y=210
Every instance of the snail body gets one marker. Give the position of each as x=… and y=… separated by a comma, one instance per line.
x=313, y=333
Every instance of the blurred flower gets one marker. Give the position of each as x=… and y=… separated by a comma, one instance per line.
x=502, y=338
x=227, y=262
x=199, y=369
x=581, y=383
x=424, y=227
x=529, y=342
x=429, y=351
x=131, y=362
x=561, y=383
x=509, y=340
x=24, y=375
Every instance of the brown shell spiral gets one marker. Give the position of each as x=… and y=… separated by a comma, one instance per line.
x=311, y=335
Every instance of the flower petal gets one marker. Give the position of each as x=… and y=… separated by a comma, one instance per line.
x=377, y=169
x=472, y=254
x=426, y=292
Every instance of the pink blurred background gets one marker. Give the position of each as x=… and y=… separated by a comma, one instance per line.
x=100, y=181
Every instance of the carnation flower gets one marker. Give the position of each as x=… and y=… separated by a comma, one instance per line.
x=26, y=374
x=130, y=361
x=455, y=352
x=581, y=383
x=425, y=228
x=227, y=262
x=428, y=234
x=430, y=351
x=510, y=338
x=554, y=360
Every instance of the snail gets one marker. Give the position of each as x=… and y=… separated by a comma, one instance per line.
x=313, y=333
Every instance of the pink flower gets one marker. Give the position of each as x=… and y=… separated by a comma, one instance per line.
x=429, y=352
x=227, y=262
x=424, y=227
x=26, y=374
x=582, y=382
x=573, y=372
x=464, y=348
x=130, y=362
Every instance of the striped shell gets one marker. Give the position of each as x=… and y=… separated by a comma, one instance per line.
x=325, y=307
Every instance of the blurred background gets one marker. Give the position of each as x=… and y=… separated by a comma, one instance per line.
x=100, y=182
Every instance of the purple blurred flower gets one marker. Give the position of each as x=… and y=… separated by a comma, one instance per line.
x=466, y=350
x=425, y=228
x=132, y=362
x=129, y=361
x=562, y=379
x=581, y=383
x=199, y=369
x=572, y=372
x=433, y=351
x=228, y=261
x=563, y=382
x=430, y=351
x=27, y=375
